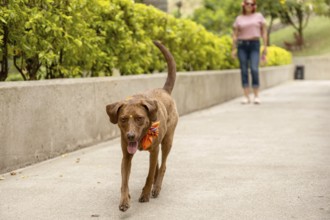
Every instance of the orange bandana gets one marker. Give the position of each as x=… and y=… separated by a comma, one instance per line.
x=149, y=137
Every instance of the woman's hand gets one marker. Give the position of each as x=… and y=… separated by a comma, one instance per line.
x=234, y=54
x=264, y=56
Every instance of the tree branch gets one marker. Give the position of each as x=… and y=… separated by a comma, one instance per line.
x=18, y=68
x=306, y=21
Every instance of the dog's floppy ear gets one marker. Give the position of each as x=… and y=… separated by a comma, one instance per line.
x=152, y=108
x=113, y=110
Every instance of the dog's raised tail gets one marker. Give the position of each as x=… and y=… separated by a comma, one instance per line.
x=171, y=67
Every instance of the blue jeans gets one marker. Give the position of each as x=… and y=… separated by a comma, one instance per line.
x=249, y=53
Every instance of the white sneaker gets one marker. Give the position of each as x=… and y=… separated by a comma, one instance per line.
x=256, y=100
x=245, y=100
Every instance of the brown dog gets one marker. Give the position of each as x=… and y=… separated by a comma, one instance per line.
x=145, y=121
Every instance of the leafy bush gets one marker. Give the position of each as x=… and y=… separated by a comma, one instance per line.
x=217, y=15
x=277, y=56
x=80, y=38
x=193, y=47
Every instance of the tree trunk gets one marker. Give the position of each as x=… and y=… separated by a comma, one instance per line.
x=4, y=62
x=300, y=15
x=269, y=30
x=33, y=66
x=20, y=69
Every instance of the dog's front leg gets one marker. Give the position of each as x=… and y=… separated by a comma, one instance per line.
x=145, y=195
x=126, y=164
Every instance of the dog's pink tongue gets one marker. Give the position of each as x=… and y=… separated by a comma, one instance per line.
x=132, y=147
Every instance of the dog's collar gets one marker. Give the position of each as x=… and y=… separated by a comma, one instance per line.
x=152, y=133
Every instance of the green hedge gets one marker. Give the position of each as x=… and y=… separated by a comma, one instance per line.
x=92, y=38
x=277, y=56
x=192, y=46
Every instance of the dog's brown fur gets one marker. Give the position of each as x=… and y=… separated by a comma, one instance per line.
x=135, y=116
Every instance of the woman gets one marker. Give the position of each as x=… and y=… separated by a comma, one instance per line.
x=249, y=27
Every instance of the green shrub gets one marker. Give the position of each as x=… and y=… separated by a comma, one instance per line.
x=193, y=47
x=94, y=38
x=277, y=56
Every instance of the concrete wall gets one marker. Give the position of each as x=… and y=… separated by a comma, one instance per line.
x=169, y=6
x=44, y=119
x=188, y=6
x=161, y=4
x=315, y=68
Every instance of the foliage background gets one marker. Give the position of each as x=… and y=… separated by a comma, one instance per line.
x=219, y=15
x=83, y=38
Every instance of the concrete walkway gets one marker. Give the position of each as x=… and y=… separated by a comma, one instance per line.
x=268, y=161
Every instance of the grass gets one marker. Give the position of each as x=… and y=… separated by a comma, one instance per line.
x=316, y=36
x=13, y=75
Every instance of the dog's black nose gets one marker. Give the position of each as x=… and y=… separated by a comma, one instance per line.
x=131, y=136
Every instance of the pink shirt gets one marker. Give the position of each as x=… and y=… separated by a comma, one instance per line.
x=249, y=26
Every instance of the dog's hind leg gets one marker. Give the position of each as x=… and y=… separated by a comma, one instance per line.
x=166, y=148
x=145, y=195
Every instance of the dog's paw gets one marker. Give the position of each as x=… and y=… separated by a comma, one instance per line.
x=124, y=203
x=155, y=192
x=123, y=207
x=144, y=198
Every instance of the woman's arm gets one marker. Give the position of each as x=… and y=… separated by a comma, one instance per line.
x=234, y=48
x=264, y=37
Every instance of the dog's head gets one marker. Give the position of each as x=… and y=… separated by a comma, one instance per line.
x=134, y=117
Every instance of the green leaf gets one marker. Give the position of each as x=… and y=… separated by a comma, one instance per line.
x=78, y=42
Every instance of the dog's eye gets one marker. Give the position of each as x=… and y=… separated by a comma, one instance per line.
x=123, y=120
x=139, y=119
